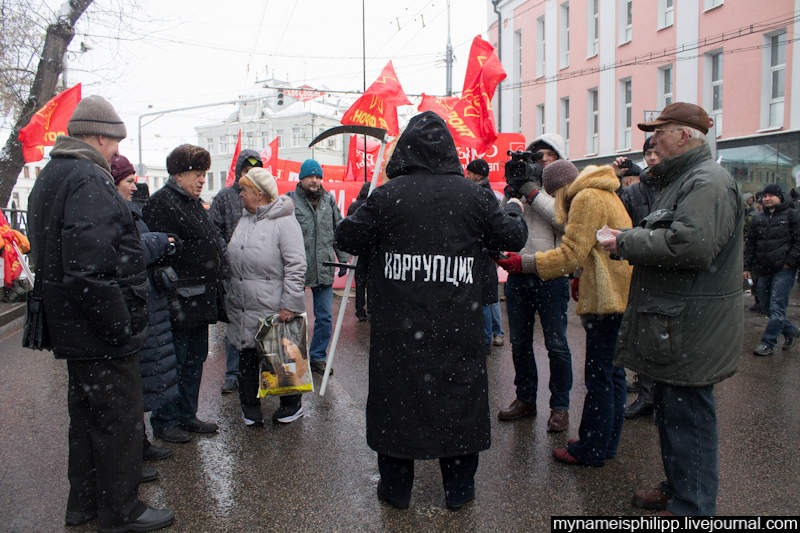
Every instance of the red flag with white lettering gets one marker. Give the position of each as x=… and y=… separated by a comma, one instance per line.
x=377, y=107
x=269, y=156
x=356, y=157
x=48, y=123
x=232, y=171
x=470, y=117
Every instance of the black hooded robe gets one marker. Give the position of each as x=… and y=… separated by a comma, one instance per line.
x=424, y=232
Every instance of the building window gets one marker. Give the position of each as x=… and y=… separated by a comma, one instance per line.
x=37, y=171
x=564, y=126
x=540, y=125
x=210, y=179
x=593, y=27
x=540, y=47
x=563, y=36
x=26, y=172
x=711, y=4
x=223, y=177
x=223, y=144
x=625, y=114
x=281, y=140
x=592, y=131
x=713, y=88
x=776, y=78
x=625, y=21
x=297, y=137
x=665, y=86
x=210, y=144
x=666, y=13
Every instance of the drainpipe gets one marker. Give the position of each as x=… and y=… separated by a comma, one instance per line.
x=499, y=55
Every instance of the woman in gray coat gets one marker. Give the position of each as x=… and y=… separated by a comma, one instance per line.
x=267, y=261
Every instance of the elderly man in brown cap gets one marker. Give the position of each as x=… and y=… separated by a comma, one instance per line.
x=91, y=276
x=681, y=327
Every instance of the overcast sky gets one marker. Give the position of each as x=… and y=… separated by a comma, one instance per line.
x=178, y=53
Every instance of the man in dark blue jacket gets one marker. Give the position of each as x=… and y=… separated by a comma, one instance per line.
x=773, y=251
x=90, y=262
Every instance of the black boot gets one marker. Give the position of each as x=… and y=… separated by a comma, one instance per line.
x=639, y=407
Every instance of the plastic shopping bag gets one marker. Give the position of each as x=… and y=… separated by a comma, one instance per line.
x=284, y=366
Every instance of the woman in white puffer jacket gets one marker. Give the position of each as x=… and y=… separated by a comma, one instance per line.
x=267, y=263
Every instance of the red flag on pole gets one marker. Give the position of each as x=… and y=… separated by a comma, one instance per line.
x=232, y=171
x=377, y=107
x=48, y=123
x=357, y=156
x=269, y=156
x=470, y=117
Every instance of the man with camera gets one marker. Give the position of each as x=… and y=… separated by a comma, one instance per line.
x=528, y=294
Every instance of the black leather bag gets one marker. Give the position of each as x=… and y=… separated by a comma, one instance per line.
x=35, y=335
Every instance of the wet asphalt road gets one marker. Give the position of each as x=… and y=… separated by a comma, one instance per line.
x=318, y=474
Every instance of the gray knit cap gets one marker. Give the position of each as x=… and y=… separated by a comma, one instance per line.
x=96, y=116
x=557, y=174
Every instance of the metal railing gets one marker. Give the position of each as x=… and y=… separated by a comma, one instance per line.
x=17, y=219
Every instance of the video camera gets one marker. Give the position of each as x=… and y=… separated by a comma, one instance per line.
x=523, y=166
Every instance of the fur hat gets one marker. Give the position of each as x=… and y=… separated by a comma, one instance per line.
x=310, y=168
x=121, y=168
x=262, y=181
x=773, y=189
x=188, y=157
x=479, y=167
x=558, y=174
x=96, y=116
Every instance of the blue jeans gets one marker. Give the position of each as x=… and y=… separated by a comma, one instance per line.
x=323, y=301
x=231, y=360
x=773, y=292
x=604, y=405
x=492, y=322
x=686, y=418
x=526, y=295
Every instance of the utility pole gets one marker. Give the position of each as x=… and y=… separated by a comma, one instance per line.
x=448, y=58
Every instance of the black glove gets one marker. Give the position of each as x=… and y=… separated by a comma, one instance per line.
x=511, y=191
x=342, y=272
x=178, y=244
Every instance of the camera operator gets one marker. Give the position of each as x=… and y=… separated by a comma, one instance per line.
x=527, y=294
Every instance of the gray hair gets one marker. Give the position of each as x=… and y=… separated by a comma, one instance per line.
x=694, y=133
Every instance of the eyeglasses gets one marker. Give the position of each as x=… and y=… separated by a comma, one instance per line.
x=660, y=131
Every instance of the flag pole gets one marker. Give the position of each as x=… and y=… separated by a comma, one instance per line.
x=349, y=282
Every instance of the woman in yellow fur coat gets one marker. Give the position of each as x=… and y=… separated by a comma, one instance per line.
x=585, y=203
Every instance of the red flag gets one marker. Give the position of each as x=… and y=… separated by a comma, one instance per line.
x=269, y=156
x=356, y=158
x=48, y=123
x=377, y=107
x=470, y=118
x=232, y=171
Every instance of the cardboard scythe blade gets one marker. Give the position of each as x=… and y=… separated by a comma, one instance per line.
x=378, y=133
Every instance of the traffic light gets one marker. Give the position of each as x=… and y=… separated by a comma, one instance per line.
x=280, y=97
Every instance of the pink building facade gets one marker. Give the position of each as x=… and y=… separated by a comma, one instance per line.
x=592, y=69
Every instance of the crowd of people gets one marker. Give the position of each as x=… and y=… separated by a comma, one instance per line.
x=652, y=257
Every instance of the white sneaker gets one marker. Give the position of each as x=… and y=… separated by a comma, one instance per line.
x=285, y=417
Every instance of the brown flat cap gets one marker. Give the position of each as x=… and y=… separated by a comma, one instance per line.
x=682, y=113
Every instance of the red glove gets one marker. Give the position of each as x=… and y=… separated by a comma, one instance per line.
x=574, y=288
x=513, y=264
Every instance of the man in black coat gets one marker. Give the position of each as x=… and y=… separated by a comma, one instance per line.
x=424, y=232
x=773, y=251
x=478, y=173
x=225, y=212
x=638, y=199
x=92, y=269
x=176, y=209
